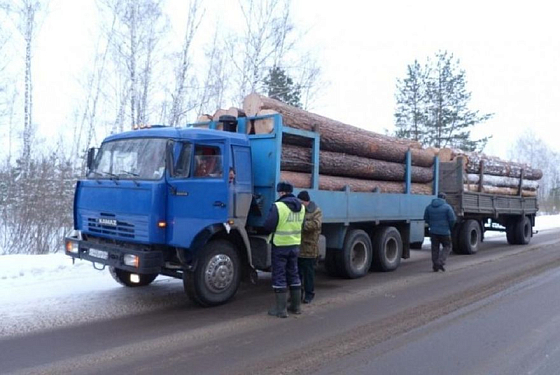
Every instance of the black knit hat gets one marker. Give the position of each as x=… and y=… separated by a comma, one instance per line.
x=442, y=195
x=285, y=187
x=304, y=196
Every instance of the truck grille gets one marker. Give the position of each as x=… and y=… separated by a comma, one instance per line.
x=126, y=227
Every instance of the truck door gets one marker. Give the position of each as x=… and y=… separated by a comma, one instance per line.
x=198, y=195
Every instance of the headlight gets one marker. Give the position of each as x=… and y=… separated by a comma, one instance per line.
x=72, y=247
x=130, y=260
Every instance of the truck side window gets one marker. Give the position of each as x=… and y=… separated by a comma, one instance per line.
x=208, y=162
x=183, y=166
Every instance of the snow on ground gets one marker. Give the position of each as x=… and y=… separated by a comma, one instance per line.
x=45, y=291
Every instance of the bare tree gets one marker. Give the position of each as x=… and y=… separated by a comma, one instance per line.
x=26, y=15
x=139, y=25
x=216, y=77
x=179, y=103
x=531, y=149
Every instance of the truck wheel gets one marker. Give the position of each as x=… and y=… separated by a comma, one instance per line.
x=123, y=277
x=355, y=258
x=388, y=249
x=216, y=277
x=416, y=245
x=332, y=263
x=469, y=238
x=523, y=230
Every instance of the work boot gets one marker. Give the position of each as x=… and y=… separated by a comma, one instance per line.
x=295, y=300
x=280, y=310
x=435, y=268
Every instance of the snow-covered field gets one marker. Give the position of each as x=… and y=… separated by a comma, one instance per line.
x=32, y=284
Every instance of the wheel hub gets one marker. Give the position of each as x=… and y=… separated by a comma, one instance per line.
x=359, y=255
x=219, y=273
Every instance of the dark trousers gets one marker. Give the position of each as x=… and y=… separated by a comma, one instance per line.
x=285, y=266
x=306, y=268
x=439, y=256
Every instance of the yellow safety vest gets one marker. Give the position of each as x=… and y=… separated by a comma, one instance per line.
x=288, y=230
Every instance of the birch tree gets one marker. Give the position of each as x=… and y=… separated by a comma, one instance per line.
x=181, y=103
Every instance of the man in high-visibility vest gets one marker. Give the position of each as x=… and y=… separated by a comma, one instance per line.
x=285, y=220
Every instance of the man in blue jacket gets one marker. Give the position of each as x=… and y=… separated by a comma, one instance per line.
x=440, y=219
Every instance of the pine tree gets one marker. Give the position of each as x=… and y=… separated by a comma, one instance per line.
x=280, y=86
x=433, y=105
x=411, y=102
x=449, y=118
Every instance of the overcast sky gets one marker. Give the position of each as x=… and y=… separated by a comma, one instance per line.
x=509, y=50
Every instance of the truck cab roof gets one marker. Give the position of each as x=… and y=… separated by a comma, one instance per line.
x=180, y=133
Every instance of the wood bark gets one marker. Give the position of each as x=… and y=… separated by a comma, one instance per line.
x=500, y=190
x=335, y=183
x=496, y=166
x=298, y=159
x=339, y=137
x=502, y=181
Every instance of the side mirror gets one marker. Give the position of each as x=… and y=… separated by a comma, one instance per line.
x=91, y=157
x=169, y=160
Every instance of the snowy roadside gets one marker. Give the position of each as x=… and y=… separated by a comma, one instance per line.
x=45, y=291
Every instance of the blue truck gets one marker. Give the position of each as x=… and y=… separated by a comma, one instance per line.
x=190, y=203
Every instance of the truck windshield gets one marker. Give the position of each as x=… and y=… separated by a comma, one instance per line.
x=142, y=158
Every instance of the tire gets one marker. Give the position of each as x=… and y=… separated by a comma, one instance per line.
x=511, y=234
x=217, y=275
x=356, y=255
x=455, y=234
x=388, y=247
x=416, y=245
x=123, y=277
x=469, y=238
x=332, y=263
x=523, y=231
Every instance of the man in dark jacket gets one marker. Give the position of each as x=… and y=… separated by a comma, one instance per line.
x=285, y=220
x=440, y=219
x=309, y=249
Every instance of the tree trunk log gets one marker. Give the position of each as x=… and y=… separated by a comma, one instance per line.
x=298, y=159
x=303, y=181
x=500, y=190
x=339, y=137
x=501, y=181
x=496, y=166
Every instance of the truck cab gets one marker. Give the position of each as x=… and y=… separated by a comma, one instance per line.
x=154, y=198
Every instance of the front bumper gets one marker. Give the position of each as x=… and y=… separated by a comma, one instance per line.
x=148, y=261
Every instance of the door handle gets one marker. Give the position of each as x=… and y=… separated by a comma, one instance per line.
x=219, y=204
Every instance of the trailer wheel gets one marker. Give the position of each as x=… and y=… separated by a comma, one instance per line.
x=469, y=238
x=523, y=230
x=216, y=277
x=511, y=234
x=388, y=249
x=455, y=234
x=356, y=254
x=123, y=277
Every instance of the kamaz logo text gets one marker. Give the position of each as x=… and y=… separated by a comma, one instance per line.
x=111, y=222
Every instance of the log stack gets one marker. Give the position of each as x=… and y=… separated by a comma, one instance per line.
x=350, y=156
x=492, y=175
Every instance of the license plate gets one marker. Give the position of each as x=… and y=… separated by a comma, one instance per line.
x=98, y=254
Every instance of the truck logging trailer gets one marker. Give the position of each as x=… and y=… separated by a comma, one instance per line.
x=147, y=207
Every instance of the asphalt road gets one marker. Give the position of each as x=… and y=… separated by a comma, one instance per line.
x=494, y=312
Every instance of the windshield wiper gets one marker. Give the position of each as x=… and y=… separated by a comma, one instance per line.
x=113, y=178
x=127, y=173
